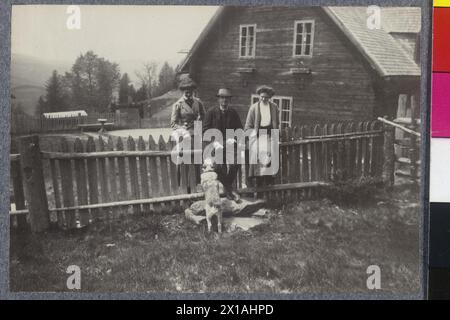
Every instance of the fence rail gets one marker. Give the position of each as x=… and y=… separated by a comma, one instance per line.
x=86, y=180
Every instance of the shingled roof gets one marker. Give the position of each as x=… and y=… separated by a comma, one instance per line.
x=381, y=49
x=401, y=20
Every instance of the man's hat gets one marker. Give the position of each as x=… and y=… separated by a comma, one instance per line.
x=223, y=92
x=187, y=83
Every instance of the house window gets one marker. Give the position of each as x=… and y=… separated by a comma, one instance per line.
x=247, y=40
x=303, y=38
x=284, y=107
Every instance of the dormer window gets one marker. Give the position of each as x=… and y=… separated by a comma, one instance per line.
x=247, y=40
x=303, y=38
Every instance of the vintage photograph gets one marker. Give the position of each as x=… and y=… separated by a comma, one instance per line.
x=215, y=149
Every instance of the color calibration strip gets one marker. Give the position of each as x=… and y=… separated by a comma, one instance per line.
x=440, y=104
x=439, y=237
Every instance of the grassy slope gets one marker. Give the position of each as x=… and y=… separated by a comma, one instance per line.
x=312, y=246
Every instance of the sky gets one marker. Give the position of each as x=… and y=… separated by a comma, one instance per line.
x=128, y=35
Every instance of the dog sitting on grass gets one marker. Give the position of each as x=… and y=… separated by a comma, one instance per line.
x=211, y=187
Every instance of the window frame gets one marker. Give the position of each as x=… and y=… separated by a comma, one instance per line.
x=280, y=111
x=296, y=22
x=253, y=53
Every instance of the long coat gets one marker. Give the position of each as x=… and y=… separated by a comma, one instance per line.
x=254, y=122
x=184, y=116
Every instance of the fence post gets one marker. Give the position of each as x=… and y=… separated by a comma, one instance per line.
x=31, y=169
x=413, y=150
x=19, y=197
x=389, y=155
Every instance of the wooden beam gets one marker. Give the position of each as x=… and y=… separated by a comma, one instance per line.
x=194, y=196
x=191, y=196
x=399, y=126
x=286, y=186
x=109, y=154
x=407, y=121
x=348, y=134
x=18, y=212
x=342, y=137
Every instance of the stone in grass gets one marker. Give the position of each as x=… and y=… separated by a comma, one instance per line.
x=246, y=207
x=190, y=216
x=230, y=223
x=244, y=215
x=244, y=223
x=262, y=213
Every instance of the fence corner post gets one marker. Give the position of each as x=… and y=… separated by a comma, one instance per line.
x=389, y=156
x=34, y=186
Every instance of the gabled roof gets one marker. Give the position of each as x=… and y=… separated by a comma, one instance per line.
x=202, y=37
x=378, y=46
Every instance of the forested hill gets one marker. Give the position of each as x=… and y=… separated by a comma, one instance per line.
x=28, y=77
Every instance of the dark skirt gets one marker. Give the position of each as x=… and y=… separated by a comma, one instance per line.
x=260, y=169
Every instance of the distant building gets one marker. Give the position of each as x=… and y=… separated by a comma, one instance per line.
x=65, y=114
x=324, y=63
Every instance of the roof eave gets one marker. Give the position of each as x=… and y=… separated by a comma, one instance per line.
x=203, y=35
x=381, y=72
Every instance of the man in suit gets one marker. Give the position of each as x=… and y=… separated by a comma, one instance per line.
x=224, y=117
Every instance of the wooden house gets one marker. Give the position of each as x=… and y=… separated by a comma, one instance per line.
x=325, y=63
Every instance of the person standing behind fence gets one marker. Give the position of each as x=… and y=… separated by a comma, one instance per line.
x=185, y=111
x=262, y=115
x=223, y=117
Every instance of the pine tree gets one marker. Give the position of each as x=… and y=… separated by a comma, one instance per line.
x=141, y=93
x=132, y=92
x=166, y=79
x=108, y=77
x=55, y=99
x=124, y=87
x=41, y=106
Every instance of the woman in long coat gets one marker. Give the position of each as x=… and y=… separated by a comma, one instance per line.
x=262, y=115
x=185, y=111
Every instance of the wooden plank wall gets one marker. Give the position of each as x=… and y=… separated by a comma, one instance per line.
x=341, y=88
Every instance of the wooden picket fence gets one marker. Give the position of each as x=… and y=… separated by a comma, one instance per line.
x=105, y=178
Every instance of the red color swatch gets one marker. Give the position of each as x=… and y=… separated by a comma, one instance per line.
x=441, y=42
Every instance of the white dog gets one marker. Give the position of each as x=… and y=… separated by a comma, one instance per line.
x=211, y=188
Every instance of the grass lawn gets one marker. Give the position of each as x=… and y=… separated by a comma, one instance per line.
x=308, y=247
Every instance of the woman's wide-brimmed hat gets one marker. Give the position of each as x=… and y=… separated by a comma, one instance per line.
x=224, y=92
x=187, y=83
x=266, y=89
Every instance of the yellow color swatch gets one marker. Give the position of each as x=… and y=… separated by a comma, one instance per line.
x=441, y=3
